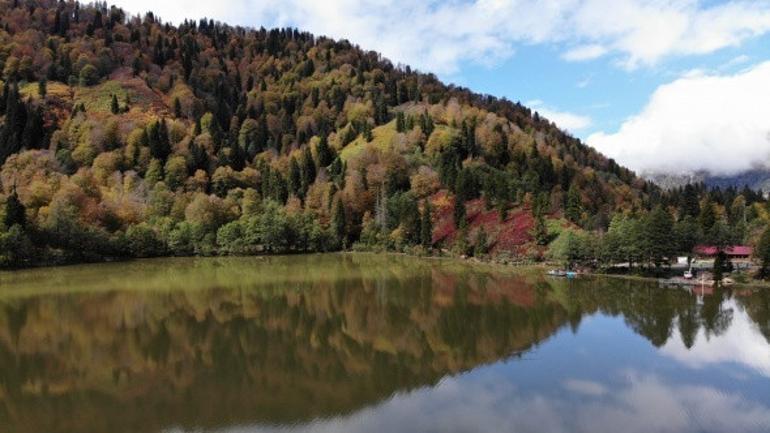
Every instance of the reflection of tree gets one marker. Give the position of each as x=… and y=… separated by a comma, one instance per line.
x=136, y=361
x=688, y=324
x=757, y=306
x=311, y=346
x=715, y=317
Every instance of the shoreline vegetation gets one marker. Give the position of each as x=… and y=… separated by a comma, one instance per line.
x=128, y=137
x=496, y=264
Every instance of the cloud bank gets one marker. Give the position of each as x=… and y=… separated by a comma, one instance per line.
x=437, y=36
x=571, y=122
x=719, y=123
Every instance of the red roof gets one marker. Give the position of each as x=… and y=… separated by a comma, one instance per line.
x=735, y=250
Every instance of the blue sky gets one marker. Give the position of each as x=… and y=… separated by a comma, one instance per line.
x=660, y=85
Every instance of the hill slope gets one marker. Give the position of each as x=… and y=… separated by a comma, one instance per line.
x=126, y=136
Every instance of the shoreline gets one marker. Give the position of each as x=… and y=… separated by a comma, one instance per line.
x=500, y=265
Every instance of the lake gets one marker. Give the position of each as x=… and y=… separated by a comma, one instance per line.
x=368, y=343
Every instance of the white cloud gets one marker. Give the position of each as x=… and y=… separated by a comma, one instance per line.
x=701, y=121
x=639, y=404
x=585, y=52
x=436, y=36
x=569, y=121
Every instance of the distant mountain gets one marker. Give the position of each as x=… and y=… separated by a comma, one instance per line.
x=757, y=179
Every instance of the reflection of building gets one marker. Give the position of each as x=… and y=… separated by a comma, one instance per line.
x=734, y=252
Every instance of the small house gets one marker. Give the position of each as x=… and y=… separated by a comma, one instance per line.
x=734, y=252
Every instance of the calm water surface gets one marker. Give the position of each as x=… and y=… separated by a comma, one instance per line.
x=360, y=343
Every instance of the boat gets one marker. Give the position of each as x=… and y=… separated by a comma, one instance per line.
x=557, y=273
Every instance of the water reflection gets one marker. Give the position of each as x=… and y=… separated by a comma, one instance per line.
x=357, y=342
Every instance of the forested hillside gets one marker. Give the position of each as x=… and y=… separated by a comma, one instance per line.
x=124, y=136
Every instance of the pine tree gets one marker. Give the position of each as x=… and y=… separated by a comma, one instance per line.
x=42, y=88
x=481, y=246
x=325, y=154
x=15, y=212
x=157, y=133
x=763, y=254
x=426, y=225
x=34, y=131
x=177, y=108
x=707, y=216
x=114, y=106
x=541, y=228
x=295, y=178
x=400, y=122
x=574, y=209
x=719, y=265
x=658, y=244
x=13, y=127
x=459, y=212
x=338, y=222
x=689, y=206
x=308, y=170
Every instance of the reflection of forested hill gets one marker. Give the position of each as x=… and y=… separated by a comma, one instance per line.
x=239, y=345
x=135, y=361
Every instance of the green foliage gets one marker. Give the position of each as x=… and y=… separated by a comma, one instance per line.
x=481, y=246
x=143, y=241
x=426, y=225
x=763, y=254
x=15, y=212
x=573, y=248
x=16, y=249
x=89, y=75
x=574, y=209
x=114, y=106
x=325, y=154
x=339, y=222
x=657, y=245
x=459, y=213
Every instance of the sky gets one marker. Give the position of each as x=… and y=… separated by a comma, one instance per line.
x=670, y=86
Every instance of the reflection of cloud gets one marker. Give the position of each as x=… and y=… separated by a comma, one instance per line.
x=741, y=343
x=586, y=387
x=485, y=402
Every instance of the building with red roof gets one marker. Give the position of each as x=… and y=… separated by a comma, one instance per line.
x=733, y=251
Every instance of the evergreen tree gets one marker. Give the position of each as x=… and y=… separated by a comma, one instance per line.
x=338, y=222
x=13, y=127
x=574, y=209
x=308, y=170
x=15, y=212
x=707, y=216
x=689, y=206
x=459, y=212
x=481, y=247
x=177, y=108
x=719, y=265
x=325, y=154
x=763, y=254
x=158, y=140
x=658, y=244
x=542, y=237
x=426, y=225
x=34, y=133
x=410, y=219
x=114, y=106
x=400, y=122
x=295, y=178
x=42, y=88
